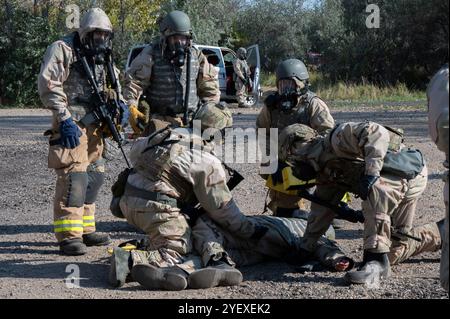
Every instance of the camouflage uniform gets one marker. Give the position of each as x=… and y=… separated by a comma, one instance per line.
x=340, y=158
x=65, y=90
x=281, y=240
x=171, y=174
x=438, y=124
x=164, y=84
x=241, y=71
x=311, y=111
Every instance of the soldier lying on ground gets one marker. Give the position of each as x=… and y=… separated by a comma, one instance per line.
x=362, y=158
x=218, y=249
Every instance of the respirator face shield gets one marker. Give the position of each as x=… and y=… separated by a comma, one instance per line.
x=288, y=92
x=176, y=48
x=98, y=45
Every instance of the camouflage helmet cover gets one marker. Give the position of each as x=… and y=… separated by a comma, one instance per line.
x=176, y=22
x=292, y=134
x=241, y=52
x=292, y=68
x=214, y=115
x=94, y=19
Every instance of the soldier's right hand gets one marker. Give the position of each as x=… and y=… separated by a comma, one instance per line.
x=70, y=133
x=135, y=117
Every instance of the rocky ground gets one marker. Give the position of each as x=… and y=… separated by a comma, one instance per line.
x=30, y=266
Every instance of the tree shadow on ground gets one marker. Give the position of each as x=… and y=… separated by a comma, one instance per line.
x=113, y=226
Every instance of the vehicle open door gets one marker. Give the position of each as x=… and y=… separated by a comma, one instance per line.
x=134, y=52
x=254, y=63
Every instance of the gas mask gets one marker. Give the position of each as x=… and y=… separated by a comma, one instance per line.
x=98, y=45
x=288, y=94
x=176, y=49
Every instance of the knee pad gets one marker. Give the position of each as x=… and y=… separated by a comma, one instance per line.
x=78, y=184
x=95, y=182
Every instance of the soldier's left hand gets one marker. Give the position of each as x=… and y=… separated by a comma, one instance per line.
x=365, y=184
x=125, y=114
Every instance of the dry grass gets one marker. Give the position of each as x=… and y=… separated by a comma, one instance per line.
x=342, y=91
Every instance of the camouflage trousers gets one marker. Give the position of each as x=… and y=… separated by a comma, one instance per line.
x=241, y=91
x=444, y=257
x=281, y=239
x=164, y=258
x=391, y=204
x=165, y=226
x=79, y=177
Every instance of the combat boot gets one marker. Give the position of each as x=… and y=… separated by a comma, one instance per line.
x=374, y=268
x=72, y=247
x=120, y=265
x=151, y=277
x=96, y=239
x=218, y=273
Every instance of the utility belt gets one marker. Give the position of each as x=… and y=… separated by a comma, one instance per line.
x=133, y=191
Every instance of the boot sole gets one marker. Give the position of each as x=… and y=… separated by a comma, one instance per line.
x=211, y=277
x=72, y=253
x=118, y=273
x=364, y=281
x=98, y=244
x=152, y=277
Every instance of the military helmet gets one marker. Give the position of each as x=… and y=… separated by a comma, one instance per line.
x=291, y=134
x=176, y=22
x=292, y=68
x=241, y=53
x=214, y=115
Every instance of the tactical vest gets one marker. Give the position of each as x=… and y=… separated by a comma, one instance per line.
x=155, y=163
x=166, y=92
x=77, y=87
x=299, y=114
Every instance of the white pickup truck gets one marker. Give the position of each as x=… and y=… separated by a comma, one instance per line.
x=223, y=58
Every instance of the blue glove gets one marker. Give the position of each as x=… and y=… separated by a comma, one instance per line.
x=125, y=114
x=70, y=133
x=365, y=184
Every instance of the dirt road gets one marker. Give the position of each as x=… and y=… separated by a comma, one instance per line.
x=30, y=266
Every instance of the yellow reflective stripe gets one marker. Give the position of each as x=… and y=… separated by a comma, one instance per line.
x=67, y=222
x=63, y=229
x=88, y=217
x=88, y=224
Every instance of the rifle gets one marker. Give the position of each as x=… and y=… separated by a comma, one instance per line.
x=344, y=212
x=188, y=88
x=103, y=112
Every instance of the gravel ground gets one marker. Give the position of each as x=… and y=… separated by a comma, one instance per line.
x=30, y=266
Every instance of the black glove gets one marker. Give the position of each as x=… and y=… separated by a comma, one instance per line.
x=277, y=177
x=365, y=184
x=349, y=214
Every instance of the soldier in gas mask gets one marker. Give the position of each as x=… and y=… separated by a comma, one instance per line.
x=242, y=76
x=292, y=103
x=172, y=75
x=76, y=137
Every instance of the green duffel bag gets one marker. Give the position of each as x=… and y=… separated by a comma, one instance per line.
x=408, y=163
